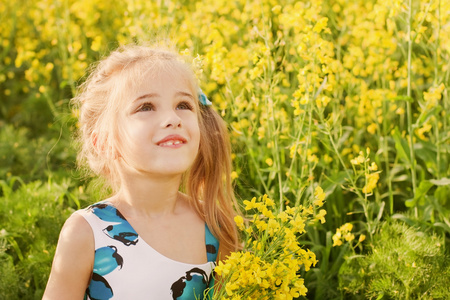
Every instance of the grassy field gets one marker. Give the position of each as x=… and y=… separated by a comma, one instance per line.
x=350, y=96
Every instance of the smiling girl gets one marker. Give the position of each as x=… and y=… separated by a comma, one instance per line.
x=144, y=129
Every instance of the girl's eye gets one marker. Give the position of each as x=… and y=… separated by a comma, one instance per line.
x=185, y=105
x=146, y=107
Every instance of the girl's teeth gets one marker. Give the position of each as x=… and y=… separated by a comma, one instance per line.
x=171, y=143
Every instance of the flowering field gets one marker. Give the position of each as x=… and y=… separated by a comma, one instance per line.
x=337, y=108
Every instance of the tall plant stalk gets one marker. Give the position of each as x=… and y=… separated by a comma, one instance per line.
x=408, y=104
x=436, y=72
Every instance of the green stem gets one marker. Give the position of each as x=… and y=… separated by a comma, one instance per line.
x=247, y=139
x=436, y=62
x=408, y=105
x=386, y=158
x=298, y=196
x=272, y=128
x=365, y=206
x=341, y=160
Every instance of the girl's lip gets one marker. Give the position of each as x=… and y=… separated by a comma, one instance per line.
x=175, y=138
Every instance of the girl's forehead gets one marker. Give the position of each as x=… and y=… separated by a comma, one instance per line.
x=171, y=71
x=146, y=79
x=165, y=78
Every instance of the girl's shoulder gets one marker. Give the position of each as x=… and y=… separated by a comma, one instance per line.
x=104, y=210
x=73, y=260
x=98, y=209
x=76, y=230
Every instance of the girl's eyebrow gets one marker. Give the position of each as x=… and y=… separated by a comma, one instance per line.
x=189, y=95
x=154, y=95
x=151, y=95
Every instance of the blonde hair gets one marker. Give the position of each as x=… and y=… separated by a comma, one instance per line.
x=99, y=100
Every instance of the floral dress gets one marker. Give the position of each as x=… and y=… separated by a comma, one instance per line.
x=126, y=267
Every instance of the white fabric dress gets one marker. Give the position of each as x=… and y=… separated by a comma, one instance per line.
x=126, y=267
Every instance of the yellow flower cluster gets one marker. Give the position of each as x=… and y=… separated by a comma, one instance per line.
x=268, y=265
x=344, y=233
x=371, y=173
x=433, y=95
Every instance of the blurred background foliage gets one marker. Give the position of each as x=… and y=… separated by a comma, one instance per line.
x=352, y=96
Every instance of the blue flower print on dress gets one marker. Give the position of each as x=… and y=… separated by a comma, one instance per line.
x=99, y=288
x=107, y=260
x=107, y=213
x=190, y=286
x=122, y=230
x=212, y=245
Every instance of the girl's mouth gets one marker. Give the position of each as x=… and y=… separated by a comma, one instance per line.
x=172, y=141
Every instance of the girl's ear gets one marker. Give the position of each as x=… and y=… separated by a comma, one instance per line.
x=94, y=139
x=102, y=147
x=97, y=145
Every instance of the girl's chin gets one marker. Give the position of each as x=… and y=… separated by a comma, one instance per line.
x=163, y=172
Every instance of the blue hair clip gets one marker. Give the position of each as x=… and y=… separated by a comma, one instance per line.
x=203, y=99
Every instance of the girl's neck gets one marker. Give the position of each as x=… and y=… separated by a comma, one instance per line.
x=151, y=198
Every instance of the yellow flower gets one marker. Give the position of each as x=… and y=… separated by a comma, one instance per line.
x=349, y=237
x=276, y=9
x=423, y=130
x=269, y=269
x=347, y=227
x=400, y=111
x=272, y=227
x=372, y=128
x=250, y=204
x=239, y=222
x=343, y=232
x=319, y=196
x=373, y=167
x=359, y=159
x=433, y=95
x=362, y=237
x=313, y=158
x=321, y=216
x=304, y=100
x=283, y=216
x=337, y=238
x=372, y=180
x=268, y=201
x=320, y=25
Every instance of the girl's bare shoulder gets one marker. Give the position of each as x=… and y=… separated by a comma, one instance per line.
x=77, y=230
x=73, y=261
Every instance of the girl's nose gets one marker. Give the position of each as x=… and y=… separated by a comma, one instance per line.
x=171, y=119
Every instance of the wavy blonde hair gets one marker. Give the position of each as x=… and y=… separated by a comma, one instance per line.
x=207, y=183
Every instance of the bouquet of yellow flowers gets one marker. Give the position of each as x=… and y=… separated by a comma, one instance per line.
x=268, y=266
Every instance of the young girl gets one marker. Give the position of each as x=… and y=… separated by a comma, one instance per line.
x=147, y=128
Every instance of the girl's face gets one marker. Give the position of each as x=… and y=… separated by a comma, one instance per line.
x=159, y=130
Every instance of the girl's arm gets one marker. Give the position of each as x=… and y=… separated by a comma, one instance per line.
x=73, y=261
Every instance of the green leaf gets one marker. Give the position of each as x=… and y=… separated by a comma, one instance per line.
x=402, y=147
x=404, y=218
x=427, y=152
x=442, y=181
x=403, y=98
x=441, y=194
x=420, y=193
x=424, y=117
x=443, y=226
